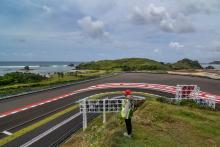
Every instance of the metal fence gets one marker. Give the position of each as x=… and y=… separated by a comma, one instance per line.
x=103, y=106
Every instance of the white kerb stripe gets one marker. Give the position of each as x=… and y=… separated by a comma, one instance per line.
x=2, y=116
x=7, y=133
x=49, y=131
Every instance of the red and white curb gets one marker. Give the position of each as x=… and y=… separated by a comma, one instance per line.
x=158, y=87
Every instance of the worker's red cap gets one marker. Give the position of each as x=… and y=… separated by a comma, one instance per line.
x=127, y=92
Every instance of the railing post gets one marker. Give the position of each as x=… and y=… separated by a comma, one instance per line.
x=104, y=113
x=84, y=115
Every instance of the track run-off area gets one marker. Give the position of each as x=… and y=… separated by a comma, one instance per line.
x=24, y=110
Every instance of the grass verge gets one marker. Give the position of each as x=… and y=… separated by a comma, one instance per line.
x=154, y=124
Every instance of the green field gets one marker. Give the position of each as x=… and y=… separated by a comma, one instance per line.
x=154, y=124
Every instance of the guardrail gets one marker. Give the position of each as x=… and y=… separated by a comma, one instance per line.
x=89, y=118
x=103, y=106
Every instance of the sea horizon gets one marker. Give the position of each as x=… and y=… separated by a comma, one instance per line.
x=40, y=67
x=49, y=67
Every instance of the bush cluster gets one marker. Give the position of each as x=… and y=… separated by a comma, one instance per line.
x=19, y=77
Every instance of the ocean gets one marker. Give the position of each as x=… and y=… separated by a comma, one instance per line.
x=42, y=68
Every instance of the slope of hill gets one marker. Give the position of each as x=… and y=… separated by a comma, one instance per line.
x=187, y=64
x=126, y=64
x=137, y=64
x=154, y=124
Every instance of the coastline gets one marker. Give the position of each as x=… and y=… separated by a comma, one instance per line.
x=37, y=67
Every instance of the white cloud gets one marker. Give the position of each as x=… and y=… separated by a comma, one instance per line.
x=198, y=6
x=180, y=24
x=175, y=45
x=46, y=9
x=148, y=14
x=216, y=46
x=162, y=18
x=156, y=50
x=44, y=22
x=93, y=28
x=213, y=46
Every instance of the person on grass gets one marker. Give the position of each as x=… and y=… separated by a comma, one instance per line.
x=127, y=111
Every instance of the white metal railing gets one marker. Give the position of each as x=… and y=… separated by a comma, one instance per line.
x=184, y=92
x=103, y=106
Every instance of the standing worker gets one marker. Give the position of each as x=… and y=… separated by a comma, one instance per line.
x=127, y=111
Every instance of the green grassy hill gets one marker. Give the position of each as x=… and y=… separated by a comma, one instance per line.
x=137, y=64
x=154, y=124
x=186, y=64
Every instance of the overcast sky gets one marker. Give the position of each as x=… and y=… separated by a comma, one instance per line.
x=84, y=30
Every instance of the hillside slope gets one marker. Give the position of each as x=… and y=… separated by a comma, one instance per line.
x=154, y=124
x=137, y=64
x=187, y=64
x=126, y=64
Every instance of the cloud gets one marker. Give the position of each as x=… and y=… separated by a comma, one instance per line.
x=213, y=46
x=199, y=6
x=216, y=47
x=135, y=26
x=94, y=29
x=46, y=9
x=148, y=14
x=162, y=18
x=156, y=50
x=175, y=45
x=180, y=24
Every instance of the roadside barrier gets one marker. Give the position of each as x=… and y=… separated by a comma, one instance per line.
x=103, y=106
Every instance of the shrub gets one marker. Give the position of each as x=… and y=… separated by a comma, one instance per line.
x=162, y=99
x=19, y=77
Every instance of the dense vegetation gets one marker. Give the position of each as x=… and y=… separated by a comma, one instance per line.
x=18, y=82
x=20, y=77
x=137, y=64
x=127, y=64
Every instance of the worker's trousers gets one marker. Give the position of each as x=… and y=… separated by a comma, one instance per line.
x=128, y=126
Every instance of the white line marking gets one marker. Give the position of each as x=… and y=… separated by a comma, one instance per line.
x=2, y=116
x=49, y=131
x=14, y=112
x=7, y=133
x=33, y=106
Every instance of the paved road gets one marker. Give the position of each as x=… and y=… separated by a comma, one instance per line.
x=8, y=122
x=207, y=85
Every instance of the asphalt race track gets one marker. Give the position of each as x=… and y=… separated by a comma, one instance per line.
x=15, y=122
x=208, y=85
